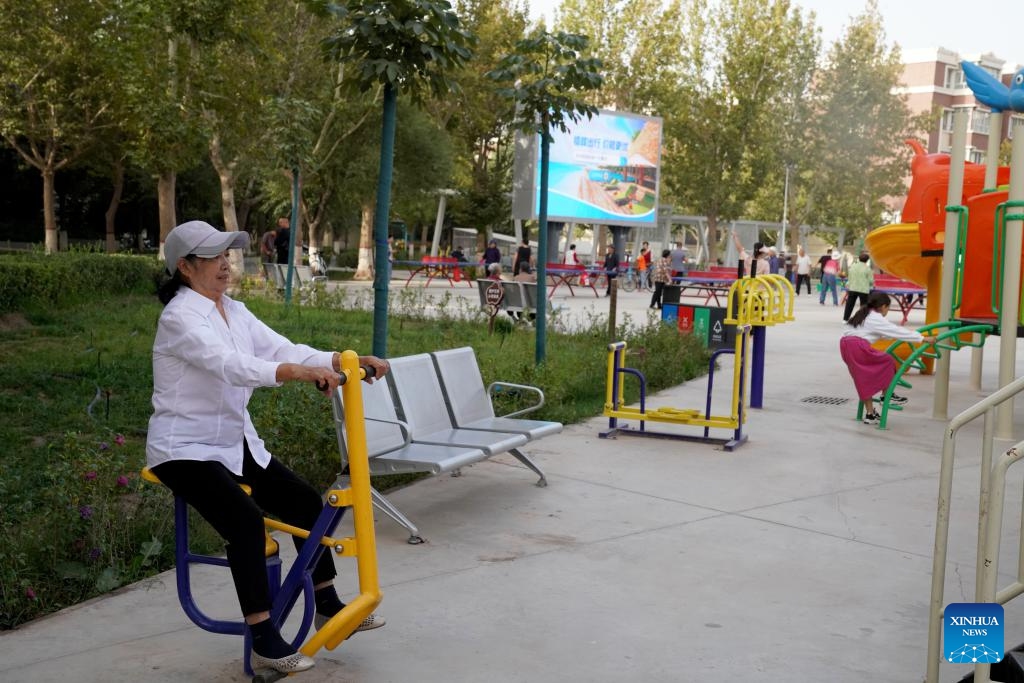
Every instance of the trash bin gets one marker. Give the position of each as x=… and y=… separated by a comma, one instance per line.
x=707, y=322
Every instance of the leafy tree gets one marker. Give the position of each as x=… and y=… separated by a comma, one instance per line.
x=857, y=137
x=54, y=94
x=477, y=118
x=546, y=77
x=163, y=126
x=636, y=42
x=403, y=45
x=733, y=64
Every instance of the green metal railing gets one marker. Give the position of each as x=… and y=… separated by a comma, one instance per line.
x=956, y=337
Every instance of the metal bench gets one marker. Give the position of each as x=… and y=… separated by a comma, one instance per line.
x=391, y=451
x=471, y=406
x=420, y=401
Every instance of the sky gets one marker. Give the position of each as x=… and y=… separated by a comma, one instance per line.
x=968, y=28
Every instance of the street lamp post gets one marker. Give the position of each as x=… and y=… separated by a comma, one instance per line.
x=780, y=243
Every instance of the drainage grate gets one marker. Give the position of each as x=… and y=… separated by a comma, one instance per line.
x=825, y=400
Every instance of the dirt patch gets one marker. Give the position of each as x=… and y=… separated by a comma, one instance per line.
x=13, y=322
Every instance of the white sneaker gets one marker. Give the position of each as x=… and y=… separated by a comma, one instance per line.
x=293, y=663
x=872, y=419
x=368, y=624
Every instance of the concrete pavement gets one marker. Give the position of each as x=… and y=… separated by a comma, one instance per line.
x=804, y=555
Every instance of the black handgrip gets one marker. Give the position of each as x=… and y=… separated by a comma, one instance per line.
x=368, y=369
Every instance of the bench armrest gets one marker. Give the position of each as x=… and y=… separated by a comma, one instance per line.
x=524, y=387
x=404, y=427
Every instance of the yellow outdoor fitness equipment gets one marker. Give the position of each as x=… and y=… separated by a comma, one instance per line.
x=298, y=581
x=754, y=304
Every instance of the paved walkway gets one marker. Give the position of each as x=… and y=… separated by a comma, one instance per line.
x=805, y=555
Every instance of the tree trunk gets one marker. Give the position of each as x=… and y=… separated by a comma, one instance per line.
x=165, y=203
x=364, y=269
x=793, y=237
x=49, y=210
x=226, y=174
x=315, y=221
x=712, y=239
x=115, y=202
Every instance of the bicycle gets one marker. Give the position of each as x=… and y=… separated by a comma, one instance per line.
x=297, y=581
x=631, y=280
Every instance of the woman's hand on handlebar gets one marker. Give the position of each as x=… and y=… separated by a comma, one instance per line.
x=325, y=379
x=376, y=368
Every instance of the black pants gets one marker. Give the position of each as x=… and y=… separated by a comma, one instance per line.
x=851, y=302
x=212, y=490
x=611, y=284
x=659, y=287
x=801, y=279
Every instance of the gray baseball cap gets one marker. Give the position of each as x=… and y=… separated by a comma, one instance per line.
x=202, y=239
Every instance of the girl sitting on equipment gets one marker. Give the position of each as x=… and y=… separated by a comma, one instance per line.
x=872, y=370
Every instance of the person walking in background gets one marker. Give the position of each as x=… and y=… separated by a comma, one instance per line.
x=491, y=256
x=391, y=256
x=829, y=278
x=859, y=283
x=803, y=270
x=872, y=370
x=267, y=249
x=643, y=265
x=751, y=265
x=611, y=268
x=523, y=257
x=283, y=239
x=678, y=260
x=773, y=261
x=661, y=276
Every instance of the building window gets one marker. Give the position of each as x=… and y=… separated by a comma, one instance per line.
x=976, y=156
x=947, y=121
x=954, y=77
x=1014, y=120
x=979, y=121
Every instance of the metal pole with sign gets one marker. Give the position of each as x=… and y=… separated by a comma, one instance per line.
x=493, y=296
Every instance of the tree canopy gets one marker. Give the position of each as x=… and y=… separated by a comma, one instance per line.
x=231, y=95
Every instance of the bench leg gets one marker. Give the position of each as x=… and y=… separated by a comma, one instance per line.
x=385, y=506
x=521, y=457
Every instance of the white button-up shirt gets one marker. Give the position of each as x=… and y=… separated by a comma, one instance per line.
x=204, y=372
x=876, y=326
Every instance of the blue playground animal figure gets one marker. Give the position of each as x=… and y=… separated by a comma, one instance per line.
x=990, y=92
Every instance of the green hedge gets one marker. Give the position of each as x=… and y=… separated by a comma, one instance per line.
x=36, y=280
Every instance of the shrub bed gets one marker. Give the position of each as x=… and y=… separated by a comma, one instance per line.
x=75, y=385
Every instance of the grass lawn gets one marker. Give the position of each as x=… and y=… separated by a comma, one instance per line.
x=75, y=387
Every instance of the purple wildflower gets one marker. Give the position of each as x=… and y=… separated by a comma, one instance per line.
x=94, y=554
x=119, y=439
x=104, y=445
x=30, y=594
x=122, y=481
x=89, y=476
x=85, y=511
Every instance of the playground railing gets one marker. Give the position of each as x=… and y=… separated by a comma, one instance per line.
x=991, y=499
x=955, y=337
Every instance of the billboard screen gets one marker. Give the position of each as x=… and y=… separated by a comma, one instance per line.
x=603, y=170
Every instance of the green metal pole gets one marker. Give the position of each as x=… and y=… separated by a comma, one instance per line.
x=293, y=226
x=542, y=245
x=380, y=224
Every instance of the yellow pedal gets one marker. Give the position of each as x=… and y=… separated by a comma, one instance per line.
x=673, y=413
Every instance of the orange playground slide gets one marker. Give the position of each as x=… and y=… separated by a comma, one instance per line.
x=896, y=249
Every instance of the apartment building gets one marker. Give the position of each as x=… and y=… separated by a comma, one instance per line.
x=932, y=78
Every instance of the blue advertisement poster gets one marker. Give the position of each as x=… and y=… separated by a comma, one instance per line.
x=604, y=170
